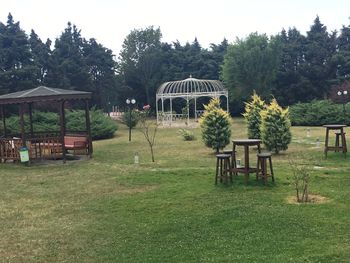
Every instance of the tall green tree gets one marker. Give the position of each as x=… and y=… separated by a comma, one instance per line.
x=290, y=86
x=41, y=54
x=139, y=63
x=16, y=66
x=249, y=64
x=317, y=67
x=101, y=68
x=342, y=57
x=68, y=67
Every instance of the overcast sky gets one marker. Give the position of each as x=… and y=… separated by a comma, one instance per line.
x=110, y=21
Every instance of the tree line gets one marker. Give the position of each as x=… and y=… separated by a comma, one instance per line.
x=289, y=66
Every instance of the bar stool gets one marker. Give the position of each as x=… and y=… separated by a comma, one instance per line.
x=233, y=159
x=223, y=168
x=261, y=167
x=340, y=135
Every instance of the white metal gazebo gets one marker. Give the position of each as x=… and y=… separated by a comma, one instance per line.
x=188, y=89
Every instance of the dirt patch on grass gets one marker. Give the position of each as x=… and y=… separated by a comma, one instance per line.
x=313, y=199
x=135, y=190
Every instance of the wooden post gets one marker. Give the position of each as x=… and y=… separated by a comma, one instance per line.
x=63, y=130
x=88, y=127
x=22, y=124
x=31, y=120
x=3, y=119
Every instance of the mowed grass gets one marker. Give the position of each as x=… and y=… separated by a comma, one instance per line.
x=109, y=209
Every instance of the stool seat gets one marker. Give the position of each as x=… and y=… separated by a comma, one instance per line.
x=223, y=156
x=264, y=154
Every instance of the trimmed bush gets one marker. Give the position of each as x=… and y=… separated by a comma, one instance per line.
x=275, y=127
x=102, y=127
x=215, y=125
x=187, y=135
x=42, y=121
x=319, y=112
x=252, y=116
x=131, y=122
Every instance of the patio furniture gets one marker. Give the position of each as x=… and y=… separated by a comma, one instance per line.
x=262, y=166
x=246, y=143
x=339, y=128
x=223, y=168
x=337, y=137
x=233, y=159
x=76, y=143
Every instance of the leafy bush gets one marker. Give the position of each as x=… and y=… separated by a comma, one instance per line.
x=187, y=135
x=300, y=180
x=42, y=121
x=275, y=127
x=102, y=126
x=131, y=122
x=216, y=126
x=319, y=112
x=252, y=116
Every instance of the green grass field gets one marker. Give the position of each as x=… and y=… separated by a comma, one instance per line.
x=109, y=209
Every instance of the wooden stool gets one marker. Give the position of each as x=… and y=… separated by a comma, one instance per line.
x=233, y=159
x=340, y=135
x=223, y=167
x=261, y=167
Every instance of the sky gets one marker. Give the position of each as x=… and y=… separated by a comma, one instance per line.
x=110, y=21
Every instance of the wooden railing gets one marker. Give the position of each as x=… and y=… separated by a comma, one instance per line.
x=41, y=146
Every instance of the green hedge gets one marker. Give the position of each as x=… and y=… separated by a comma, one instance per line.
x=319, y=112
x=102, y=126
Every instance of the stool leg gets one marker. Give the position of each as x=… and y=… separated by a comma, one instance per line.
x=271, y=169
x=217, y=171
x=326, y=142
x=225, y=173
x=230, y=167
x=233, y=162
x=343, y=142
x=264, y=170
x=337, y=142
x=221, y=174
x=257, y=168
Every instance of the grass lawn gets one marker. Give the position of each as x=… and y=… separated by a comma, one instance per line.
x=109, y=209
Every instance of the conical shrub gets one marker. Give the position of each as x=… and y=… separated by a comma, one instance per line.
x=215, y=126
x=275, y=127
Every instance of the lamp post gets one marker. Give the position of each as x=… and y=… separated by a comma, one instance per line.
x=343, y=93
x=130, y=102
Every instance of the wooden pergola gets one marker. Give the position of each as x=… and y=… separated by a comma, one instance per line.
x=27, y=98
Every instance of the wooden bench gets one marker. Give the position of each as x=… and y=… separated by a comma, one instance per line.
x=76, y=143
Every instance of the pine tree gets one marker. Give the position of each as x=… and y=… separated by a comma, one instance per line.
x=215, y=125
x=69, y=69
x=252, y=116
x=317, y=69
x=275, y=127
x=41, y=53
x=16, y=66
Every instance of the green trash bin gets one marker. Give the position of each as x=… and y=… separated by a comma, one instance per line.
x=24, y=154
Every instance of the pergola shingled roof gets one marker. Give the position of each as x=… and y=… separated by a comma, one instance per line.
x=42, y=93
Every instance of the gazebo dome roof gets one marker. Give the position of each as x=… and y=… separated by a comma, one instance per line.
x=191, y=87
